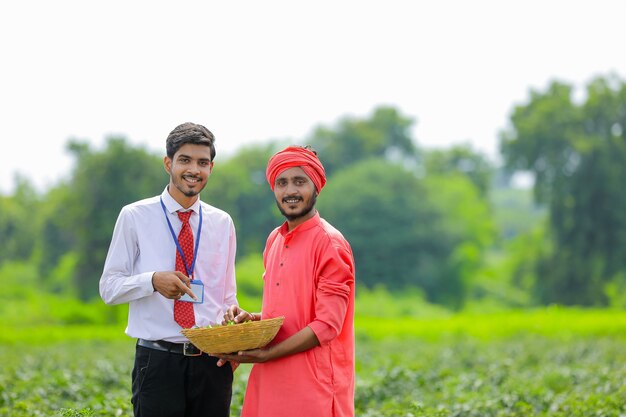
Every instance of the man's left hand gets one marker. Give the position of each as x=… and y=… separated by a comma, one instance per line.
x=245, y=356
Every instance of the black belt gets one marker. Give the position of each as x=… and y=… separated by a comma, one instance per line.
x=187, y=348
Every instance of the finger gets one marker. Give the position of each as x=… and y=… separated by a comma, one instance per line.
x=186, y=290
x=182, y=289
x=184, y=278
x=230, y=313
x=221, y=362
x=241, y=317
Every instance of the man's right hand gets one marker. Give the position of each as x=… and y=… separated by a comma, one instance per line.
x=238, y=315
x=172, y=284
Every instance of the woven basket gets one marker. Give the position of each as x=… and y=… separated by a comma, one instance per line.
x=235, y=337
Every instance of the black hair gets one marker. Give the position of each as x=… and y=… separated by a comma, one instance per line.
x=189, y=133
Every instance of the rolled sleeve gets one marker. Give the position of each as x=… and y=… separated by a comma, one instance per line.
x=333, y=295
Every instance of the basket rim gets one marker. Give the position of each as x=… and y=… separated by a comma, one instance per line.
x=231, y=338
x=249, y=324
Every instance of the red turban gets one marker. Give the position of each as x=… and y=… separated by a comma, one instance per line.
x=296, y=156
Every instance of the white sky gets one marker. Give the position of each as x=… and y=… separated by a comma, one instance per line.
x=257, y=70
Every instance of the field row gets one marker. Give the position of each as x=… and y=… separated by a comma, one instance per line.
x=525, y=376
x=552, y=321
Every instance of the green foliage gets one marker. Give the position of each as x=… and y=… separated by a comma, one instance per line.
x=577, y=152
x=380, y=209
x=615, y=291
x=86, y=412
x=238, y=186
x=103, y=182
x=250, y=282
x=514, y=211
x=409, y=232
x=386, y=133
x=56, y=230
x=85, y=378
x=18, y=231
x=463, y=230
x=508, y=277
x=25, y=301
x=522, y=376
x=59, y=280
x=562, y=324
x=378, y=302
x=553, y=362
x=415, y=218
x=460, y=159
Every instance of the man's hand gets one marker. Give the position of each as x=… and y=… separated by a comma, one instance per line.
x=172, y=284
x=238, y=315
x=245, y=356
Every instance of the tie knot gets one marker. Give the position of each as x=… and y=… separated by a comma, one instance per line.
x=184, y=216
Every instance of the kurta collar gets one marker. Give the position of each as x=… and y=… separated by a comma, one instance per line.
x=173, y=206
x=309, y=224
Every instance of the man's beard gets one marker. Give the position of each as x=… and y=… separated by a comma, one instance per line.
x=301, y=213
x=187, y=192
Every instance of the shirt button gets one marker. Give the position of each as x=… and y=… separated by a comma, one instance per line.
x=277, y=284
x=281, y=264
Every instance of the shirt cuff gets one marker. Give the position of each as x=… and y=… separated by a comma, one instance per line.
x=145, y=282
x=323, y=331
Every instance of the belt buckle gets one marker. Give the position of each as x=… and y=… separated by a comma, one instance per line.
x=189, y=349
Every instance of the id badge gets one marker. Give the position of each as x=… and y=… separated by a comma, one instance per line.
x=197, y=287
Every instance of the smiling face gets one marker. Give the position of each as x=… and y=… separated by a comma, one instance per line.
x=189, y=170
x=295, y=196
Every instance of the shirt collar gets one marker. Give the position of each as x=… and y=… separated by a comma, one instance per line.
x=173, y=206
x=309, y=224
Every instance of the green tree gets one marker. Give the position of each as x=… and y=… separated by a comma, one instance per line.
x=405, y=231
x=101, y=184
x=386, y=133
x=464, y=230
x=56, y=229
x=577, y=152
x=239, y=187
x=460, y=159
x=18, y=231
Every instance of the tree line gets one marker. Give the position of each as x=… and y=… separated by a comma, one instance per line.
x=415, y=217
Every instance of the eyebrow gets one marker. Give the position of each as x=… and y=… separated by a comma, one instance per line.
x=296, y=177
x=182, y=155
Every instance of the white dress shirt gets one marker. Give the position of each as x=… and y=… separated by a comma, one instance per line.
x=143, y=244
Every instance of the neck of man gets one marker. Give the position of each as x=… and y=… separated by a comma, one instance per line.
x=182, y=199
x=293, y=223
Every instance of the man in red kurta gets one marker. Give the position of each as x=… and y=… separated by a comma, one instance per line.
x=308, y=369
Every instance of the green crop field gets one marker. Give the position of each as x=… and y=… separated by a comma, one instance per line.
x=548, y=362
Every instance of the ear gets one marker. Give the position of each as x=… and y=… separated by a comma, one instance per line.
x=211, y=168
x=167, y=164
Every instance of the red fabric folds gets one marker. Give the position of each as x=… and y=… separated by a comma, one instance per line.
x=296, y=156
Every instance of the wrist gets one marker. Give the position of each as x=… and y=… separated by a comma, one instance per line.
x=270, y=353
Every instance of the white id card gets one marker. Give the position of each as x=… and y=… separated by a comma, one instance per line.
x=197, y=287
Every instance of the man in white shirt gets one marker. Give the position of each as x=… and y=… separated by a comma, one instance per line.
x=171, y=377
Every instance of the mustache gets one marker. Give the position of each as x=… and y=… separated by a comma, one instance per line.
x=298, y=198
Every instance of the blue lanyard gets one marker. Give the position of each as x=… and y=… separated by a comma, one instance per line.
x=180, y=250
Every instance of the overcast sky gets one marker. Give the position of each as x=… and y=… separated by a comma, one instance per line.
x=252, y=71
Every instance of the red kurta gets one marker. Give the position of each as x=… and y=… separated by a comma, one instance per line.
x=309, y=279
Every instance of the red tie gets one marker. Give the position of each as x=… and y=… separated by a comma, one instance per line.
x=183, y=311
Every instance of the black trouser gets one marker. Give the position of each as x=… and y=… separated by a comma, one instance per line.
x=169, y=384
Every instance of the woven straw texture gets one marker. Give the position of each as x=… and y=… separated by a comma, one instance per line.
x=236, y=337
